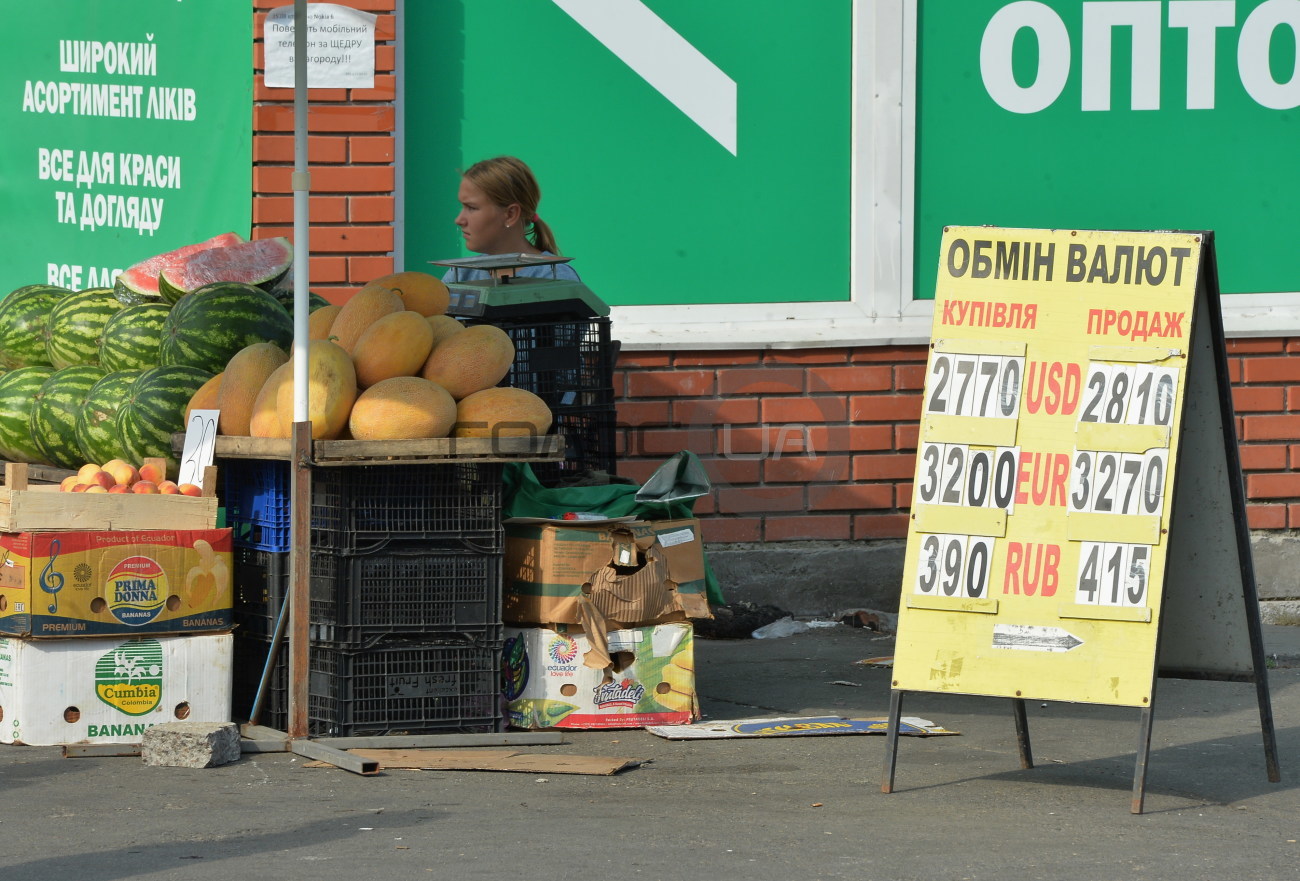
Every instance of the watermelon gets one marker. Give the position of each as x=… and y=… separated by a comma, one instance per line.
x=139, y=284
x=23, y=315
x=208, y=327
x=259, y=263
x=54, y=414
x=285, y=297
x=18, y=390
x=132, y=336
x=76, y=326
x=96, y=430
x=154, y=410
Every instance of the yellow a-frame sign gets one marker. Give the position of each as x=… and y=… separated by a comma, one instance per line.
x=1077, y=487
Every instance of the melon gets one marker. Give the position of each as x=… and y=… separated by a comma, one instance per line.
x=395, y=345
x=476, y=358
x=420, y=291
x=264, y=420
x=139, y=284
x=502, y=411
x=243, y=378
x=402, y=408
x=331, y=390
x=443, y=327
x=364, y=309
x=319, y=322
x=206, y=397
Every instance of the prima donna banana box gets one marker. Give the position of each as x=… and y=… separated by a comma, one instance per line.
x=650, y=679
x=115, y=582
x=61, y=691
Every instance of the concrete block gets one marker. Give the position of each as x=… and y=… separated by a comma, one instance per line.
x=190, y=744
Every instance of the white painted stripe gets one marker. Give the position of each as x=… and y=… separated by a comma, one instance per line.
x=665, y=60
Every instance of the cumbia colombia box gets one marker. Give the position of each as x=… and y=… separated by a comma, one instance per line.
x=623, y=573
x=114, y=582
x=650, y=680
x=61, y=691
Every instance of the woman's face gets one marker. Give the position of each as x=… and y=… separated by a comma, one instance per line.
x=482, y=222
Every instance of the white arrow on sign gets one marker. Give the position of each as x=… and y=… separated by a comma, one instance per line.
x=665, y=60
x=1029, y=638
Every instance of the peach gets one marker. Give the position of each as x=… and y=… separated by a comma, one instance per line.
x=87, y=471
x=119, y=488
x=144, y=486
x=122, y=471
x=96, y=488
x=152, y=473
x=169, y=488
x=102, y=478
x=79, y=487
x=68, y=483
x=190, y=489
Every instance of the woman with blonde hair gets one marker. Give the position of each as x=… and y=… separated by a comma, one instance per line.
x=498, y=215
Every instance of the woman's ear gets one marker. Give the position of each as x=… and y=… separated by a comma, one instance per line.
x=513, y=213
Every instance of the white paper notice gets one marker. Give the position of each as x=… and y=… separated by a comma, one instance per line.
x=340, y=47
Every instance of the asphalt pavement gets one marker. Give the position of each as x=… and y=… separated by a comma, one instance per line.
x=770, y=808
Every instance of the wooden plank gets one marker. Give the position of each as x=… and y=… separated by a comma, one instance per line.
x=39, y=510
x=42, y=474
x=354, y=452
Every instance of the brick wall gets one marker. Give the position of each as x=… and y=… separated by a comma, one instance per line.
x=800, y=444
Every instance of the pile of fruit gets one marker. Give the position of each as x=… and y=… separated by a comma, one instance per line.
x=110, y=374
x=118, y=476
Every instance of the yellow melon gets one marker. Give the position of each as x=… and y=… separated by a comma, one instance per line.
x=320, y=321
x=245, y=374
x=476, y=358
x=331, y=391
x=366, y=307
x=443, y=327
x=264, y=420
x=420, y=291
x=502, y=412
x=402, y=408
x=395, y=345
x=206, y=396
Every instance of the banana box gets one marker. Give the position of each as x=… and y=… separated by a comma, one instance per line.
x=549, y=681
x=61, y=691
x=114, y=582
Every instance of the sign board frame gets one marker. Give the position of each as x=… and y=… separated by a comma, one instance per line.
x=1078, y=492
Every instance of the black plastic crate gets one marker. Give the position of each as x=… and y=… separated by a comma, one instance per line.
x=396, y=687
x=399, y=590
x=589, y=437
x=356, y=508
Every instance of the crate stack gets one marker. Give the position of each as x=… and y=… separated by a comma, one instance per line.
x=405, y=612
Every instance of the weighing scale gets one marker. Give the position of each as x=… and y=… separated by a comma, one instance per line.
x=509, y=296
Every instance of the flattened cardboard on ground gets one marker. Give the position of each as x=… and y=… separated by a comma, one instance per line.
x=795, y=726
x=631, y=573
x=491, y=760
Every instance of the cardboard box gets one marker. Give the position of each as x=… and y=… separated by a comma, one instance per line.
x=550, y=684
x=626, y=573
x=115, y=583
x=60, y=691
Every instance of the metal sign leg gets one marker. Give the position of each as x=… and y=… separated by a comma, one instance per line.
x=891, y=740
x=1143, y=754
x=1022, y=733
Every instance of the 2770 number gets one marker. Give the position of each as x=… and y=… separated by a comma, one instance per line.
x=975, y=385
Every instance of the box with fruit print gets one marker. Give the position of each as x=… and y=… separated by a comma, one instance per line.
x=557, y=678
x=78, y=583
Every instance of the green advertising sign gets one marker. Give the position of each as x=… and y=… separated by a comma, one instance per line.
x=1178, y=114
x=688, y=152
x=127, y=134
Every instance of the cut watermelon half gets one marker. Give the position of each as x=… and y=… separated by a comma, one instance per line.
x=260, y=263
x=139, y=284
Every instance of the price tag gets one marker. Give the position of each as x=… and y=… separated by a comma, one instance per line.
x=200, y=441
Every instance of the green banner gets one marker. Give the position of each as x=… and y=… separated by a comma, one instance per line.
x=688, y=152
x=128, y=133
x=1113, y=115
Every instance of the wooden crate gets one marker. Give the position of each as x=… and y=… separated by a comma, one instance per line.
x=31, y=507
x=546, y=448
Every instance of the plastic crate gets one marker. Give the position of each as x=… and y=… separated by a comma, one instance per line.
x=356, y=599
x=356, y=508
x=396, y=687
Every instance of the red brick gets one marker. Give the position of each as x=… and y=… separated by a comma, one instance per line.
x=1266, y=516
x=704, y=506
x=1247, y=346
x=638, y=469
x=352, y=179
x=1261, y=457
x=850, y=497
x=760, y=499
x=895, y=466
x=903, y=496
x=892, y=354
x=326, y=118
x=732, y=472
x=848, y=438
x=385, y=89
x=670, y=383
x=1293, y=454
x=805, y=356
x=280, y=148
x=362, y=270
x=806, y=469
x=714, y=359
x=1234, y=370
x=662, y=442
x=760, y=380
x=761, y=441
x=909, y=377
x=807, y=410
x=279, y=209
x=731, y=529
x=385, y=58
x=850, y=379
x=644, y=413
x=628, y=360
x=1272, y=486
x=885, y=408
x=371, y=209
x=808, y=528
x=343, y=239
x=906, y=437
x=1267, y=428
x=732, y=411
x=1260, y=399
x=327, y=269
x=880, y=526
x=1284, y=369
x=371, y=149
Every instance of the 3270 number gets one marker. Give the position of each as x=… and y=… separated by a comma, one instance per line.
x=1105, y=482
